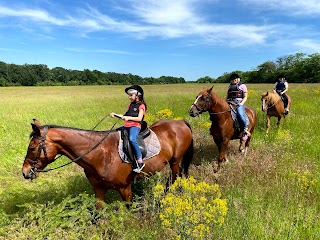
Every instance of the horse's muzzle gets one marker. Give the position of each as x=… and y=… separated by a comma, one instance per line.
x=193, y=113
x=29, y=173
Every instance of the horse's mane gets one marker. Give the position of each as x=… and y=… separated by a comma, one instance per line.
x=272, y=97
x=219, y=100
x=70, y=128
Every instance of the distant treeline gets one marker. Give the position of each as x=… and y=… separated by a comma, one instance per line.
x=298, y=68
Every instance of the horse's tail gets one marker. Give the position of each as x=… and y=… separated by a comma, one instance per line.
x=188, y=155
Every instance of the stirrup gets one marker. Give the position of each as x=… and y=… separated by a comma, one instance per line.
x=247, y=132
x=140, y=166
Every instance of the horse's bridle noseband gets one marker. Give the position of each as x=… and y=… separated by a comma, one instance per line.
x=207, y=104
x=42, y=147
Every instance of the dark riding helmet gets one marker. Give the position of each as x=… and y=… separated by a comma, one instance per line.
x=137, y=88
x=281, y=76
x=234, y=76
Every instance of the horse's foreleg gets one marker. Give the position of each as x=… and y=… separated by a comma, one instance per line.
x=99, y=191
x=100, y=194
x=222, y=153
x=278, y=123
x=126, y=193
x=267, y=124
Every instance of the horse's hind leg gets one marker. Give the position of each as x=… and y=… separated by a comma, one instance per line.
x=175, y=169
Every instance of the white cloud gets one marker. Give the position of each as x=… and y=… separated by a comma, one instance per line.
x=308, y=45
x=287, y=7
x=32, y=14
x=153, y=18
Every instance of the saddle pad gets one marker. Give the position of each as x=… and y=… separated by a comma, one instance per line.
x=152, y=145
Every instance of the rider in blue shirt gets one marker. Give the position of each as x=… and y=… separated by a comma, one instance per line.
x=281, y=87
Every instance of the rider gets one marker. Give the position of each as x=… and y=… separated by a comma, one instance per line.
x=237, y=94
x=133, y=118
x=280, y=87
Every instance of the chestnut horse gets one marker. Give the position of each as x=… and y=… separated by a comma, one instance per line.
x=222, y=127
x=97, y=153
x=273, y=105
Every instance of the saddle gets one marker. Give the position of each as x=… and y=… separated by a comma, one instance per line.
x=127, y=147
x=234, y=116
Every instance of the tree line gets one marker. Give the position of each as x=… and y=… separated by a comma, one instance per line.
x=298, y=68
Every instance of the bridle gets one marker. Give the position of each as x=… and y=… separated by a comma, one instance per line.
x=207, y=106
x=268, y=105
x=42, y=147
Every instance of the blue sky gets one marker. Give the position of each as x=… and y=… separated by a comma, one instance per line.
x=153, y=38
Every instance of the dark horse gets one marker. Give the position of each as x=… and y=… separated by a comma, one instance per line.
x=222, y=127
x=273, y=105
x=97, y=153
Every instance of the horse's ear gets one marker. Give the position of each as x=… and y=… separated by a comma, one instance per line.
x=36, y=122
x=210, y=90
x=267, y=94
x=35, y=129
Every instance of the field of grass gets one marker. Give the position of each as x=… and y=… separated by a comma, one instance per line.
x=273, y=193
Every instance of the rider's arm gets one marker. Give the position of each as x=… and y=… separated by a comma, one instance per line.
x=244, y=99
x=287, y=86
x=136, y=119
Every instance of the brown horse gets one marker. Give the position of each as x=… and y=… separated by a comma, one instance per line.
x=273, y=105
x=97, y=153
x=222, y=127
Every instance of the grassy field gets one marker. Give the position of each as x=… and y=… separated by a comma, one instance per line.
x=273, y=193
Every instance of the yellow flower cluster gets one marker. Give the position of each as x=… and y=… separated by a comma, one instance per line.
x=305, y=180
x=162, y=114
x=284, y=136
x=165, y=114
x=150, y=118
x=204, y=124
x=190, y=208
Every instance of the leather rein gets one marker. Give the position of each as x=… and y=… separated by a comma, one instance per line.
x=207, y=104
x=42, y=147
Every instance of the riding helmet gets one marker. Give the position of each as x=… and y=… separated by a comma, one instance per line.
x=137, y=88
x=234, y=76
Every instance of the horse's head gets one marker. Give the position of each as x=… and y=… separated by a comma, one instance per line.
x=40, y=152
x=264, y=101
x=202, y=102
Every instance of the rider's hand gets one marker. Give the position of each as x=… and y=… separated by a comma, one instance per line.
x=125, y=118
x=111, y=114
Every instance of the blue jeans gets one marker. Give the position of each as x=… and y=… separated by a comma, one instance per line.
x=241, y=114
x=133, y=134
x=242, y=117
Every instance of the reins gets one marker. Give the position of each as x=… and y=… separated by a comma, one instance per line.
x=78, y=158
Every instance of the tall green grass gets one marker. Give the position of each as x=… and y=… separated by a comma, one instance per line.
x=273, y=193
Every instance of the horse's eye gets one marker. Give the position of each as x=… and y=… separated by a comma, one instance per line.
x=32, y=147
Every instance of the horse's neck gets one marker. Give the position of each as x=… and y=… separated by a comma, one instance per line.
x=275, y=98
x=73, y=142
x=218, y=104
